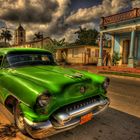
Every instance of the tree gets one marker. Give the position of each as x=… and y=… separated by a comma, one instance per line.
x=6, y=35
x=115, y=58
x=55, y=44
x=61, y=43
x=86, y=36
x=38, y=36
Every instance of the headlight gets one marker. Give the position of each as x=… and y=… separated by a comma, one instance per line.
x=43, y=100
x=106, y=83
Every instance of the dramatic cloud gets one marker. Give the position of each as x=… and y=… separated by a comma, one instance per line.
x=55, y=18
x=90, y=25
x=58, y=23
x=136, y=3
x=57, y=27
x=93, y=13
x=27, y=11
x=46, y=16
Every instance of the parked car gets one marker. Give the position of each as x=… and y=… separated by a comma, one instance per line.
x=45, y=98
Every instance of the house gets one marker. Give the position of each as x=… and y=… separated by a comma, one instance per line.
x=124, y=29
x=79, y=54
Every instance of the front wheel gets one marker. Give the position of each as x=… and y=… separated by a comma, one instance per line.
x=19, y=118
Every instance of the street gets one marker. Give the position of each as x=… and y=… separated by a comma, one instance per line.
x=120, y=122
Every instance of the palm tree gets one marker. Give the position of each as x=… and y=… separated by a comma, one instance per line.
x=59, y=44
x=55, y=44
x=6, y=36
x=38, y=36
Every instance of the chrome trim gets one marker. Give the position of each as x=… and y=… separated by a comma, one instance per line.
x=64, y=116
x=44, y=129
x=63, y=120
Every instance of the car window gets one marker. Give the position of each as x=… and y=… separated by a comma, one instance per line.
x=28, y=58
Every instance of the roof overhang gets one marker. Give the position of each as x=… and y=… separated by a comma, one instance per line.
x=122, y=29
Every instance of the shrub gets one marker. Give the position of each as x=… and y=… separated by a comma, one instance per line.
x=115, y=58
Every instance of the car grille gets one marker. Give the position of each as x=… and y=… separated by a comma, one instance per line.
x=74, y=111
x=80, y=104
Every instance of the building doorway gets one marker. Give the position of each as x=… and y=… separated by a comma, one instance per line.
x=64, y=55
x=125, y=51
x=88, y=55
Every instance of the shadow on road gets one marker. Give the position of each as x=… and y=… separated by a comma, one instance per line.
x=110, y=125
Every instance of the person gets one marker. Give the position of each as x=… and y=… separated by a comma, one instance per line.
x=107, y=59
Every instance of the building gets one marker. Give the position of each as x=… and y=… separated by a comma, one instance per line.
x=41, y=43
x=20, y=35
x=124, y=29
x=73, y=54
x=4, y=45
x=79, y=54
x=20, y=40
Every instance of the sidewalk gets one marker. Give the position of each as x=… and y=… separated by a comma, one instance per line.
x=126, y=73
x=119, y=69
x=91, y=68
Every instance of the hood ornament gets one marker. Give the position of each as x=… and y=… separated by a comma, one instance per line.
x=78, y=75
x=75, y=75
x=82, y=89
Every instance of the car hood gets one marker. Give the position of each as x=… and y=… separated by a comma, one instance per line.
x=62, y=83
x=52, y=78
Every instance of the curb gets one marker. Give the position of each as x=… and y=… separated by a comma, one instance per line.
x=115, y=76
x=121, y=77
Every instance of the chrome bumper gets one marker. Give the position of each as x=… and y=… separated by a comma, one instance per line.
x=64, y=120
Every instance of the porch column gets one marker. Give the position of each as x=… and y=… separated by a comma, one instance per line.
x=131, y=50
x=100, y=59
x=112, y=47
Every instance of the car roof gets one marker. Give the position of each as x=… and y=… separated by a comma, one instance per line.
x=8, y=50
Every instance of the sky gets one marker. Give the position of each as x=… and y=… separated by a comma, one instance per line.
x=59, y=18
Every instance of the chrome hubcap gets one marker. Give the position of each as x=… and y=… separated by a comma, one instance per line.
x=20, y=119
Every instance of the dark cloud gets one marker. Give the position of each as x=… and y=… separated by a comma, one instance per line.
x=94, y=13
x=58, y=25
x=41, y=12
x=60, y=18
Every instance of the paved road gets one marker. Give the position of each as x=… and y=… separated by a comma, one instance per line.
x=120, y=122
x=125, y=95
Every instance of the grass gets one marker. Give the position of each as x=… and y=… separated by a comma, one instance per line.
x=121, y=74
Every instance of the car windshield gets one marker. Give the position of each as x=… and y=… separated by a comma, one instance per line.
x=28, y=58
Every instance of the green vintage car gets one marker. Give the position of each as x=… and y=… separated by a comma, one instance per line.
x=46, y=98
